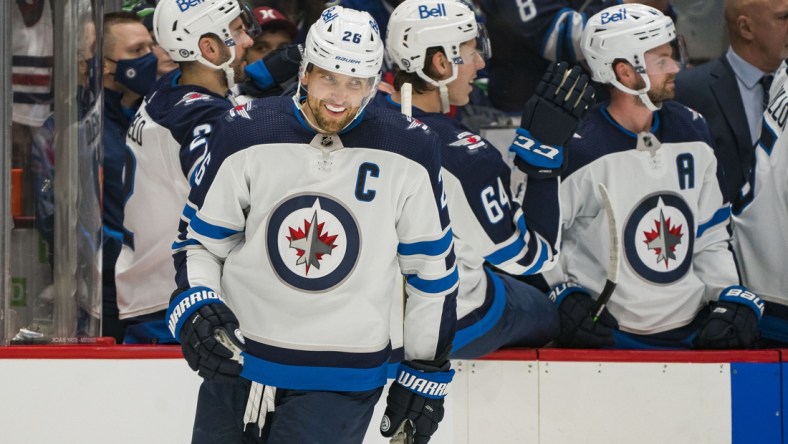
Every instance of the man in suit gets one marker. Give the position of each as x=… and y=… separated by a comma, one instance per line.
x=730, y=91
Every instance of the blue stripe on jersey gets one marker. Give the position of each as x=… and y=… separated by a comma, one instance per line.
x=313, y=378
x=209, y=230
x=434, y=286
x=506, y=253
x=108, y=232
x=609, y=118
x=189, y=212
x=179, y=245
x=539, y=263
x=543, y=47
x=720, y=216
x=428, y=248
x=476, y=330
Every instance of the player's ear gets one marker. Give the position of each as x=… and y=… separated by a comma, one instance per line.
x=209, y=49
x=440, y=65
x=624, y=72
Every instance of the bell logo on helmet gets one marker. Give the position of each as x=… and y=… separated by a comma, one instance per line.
x=608, y=17
x=184, y=5
x=427, y=12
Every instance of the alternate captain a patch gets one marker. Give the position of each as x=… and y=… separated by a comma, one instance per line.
x=659, y=235
x=313, y=242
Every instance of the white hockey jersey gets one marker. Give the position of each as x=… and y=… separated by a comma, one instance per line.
x=304, y=236
x=671, y=217
x=31, y=40
x=759, y=235
x=156, y=186
x=489, y=225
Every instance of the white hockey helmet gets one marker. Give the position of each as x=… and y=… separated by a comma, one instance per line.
x=417, y=25
x=179, y=24
x=347, y=42
x=625, y=32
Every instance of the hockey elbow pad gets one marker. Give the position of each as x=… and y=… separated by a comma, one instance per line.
x=576, y=314
x=208, y=331
x=416, y=395
x=549, y=119
x=733, y=321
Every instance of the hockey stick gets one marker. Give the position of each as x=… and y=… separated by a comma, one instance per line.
x=612, y=265
x=406, y=430
x=405, y=433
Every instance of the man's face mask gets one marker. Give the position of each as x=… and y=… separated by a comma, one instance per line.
x=138, y=74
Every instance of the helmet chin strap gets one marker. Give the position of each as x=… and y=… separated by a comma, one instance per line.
x=443, y=89
x=229, y=72
x=640, y=93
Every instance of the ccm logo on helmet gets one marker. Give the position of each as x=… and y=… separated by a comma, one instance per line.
x=184, y=5
x=608, y=17
x=438, y=11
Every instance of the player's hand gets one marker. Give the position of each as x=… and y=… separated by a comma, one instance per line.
x=417, y=395
x=549, y=120
x=576, y=312
x=208, y=332
x=276, y=68
x=733, y=321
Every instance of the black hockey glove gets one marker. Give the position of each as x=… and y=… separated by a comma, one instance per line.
x=576, y=312
x=549, y=120
x=733, y=321
x=271, y=75
x=208, y=332
x=416, y=395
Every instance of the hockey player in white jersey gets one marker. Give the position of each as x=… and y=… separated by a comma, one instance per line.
x=759, y=236
x=439, y=55
x=164, y=143
x=677, y=282
x=301, y=217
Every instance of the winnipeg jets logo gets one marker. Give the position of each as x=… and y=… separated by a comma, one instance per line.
x=311, y=243
x=190, y=98
x=659, y=238
x=468, y=140
x=663, y=239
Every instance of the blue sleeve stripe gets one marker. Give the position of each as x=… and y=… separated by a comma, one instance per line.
x=189, y=212
x=428, y=248
x=539, y=263
x=300, y=377
x=109, y=232
x=209, y=230
x=553, y=30
x=511, y=251
x=179, y=245
x=436, y=286
x=719, y=217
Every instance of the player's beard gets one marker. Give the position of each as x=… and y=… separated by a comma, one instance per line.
x=238, y=63
x=659, y=93
x=664, y=92
x=321, y=117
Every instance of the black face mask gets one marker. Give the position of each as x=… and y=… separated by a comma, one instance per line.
x=138, y=74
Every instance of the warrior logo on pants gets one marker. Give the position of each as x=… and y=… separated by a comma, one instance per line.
x=313, y=242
